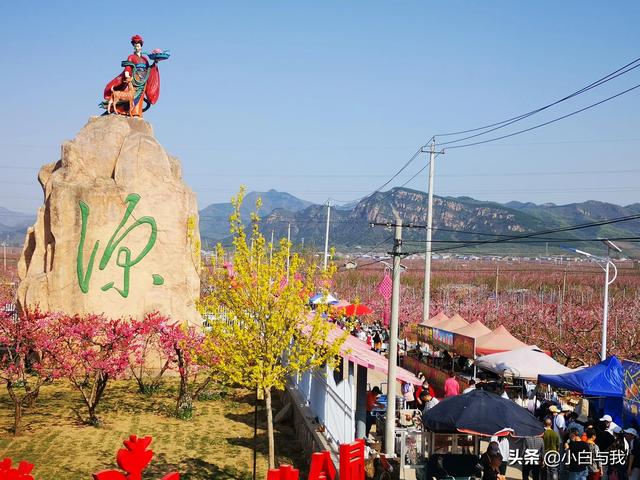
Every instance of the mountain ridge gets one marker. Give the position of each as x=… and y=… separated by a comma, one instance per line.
x=456, y=220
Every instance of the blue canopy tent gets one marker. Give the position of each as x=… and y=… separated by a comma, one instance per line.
x=604, y=380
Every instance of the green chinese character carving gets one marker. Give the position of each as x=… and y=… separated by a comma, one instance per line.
x=123, y=257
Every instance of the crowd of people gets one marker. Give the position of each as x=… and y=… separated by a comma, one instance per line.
x=373, y=335
x=569, y=449
x=572, y=447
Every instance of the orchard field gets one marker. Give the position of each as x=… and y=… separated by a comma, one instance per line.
x=556, y=307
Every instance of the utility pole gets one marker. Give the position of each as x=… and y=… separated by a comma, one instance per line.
x=288, y=248
x=561, y=307
x=496, y=291
x=390, y=424
x=427, y=258
x=4, y=254
x=606, y=264
x=326, y=236
x=605, y=316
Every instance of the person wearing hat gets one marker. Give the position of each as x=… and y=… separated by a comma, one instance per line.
x=504, y=446
x=633, y=461
x=604, y=436
x=558, y=420
x=619, y=451
x=609, y=423
x=491, y=460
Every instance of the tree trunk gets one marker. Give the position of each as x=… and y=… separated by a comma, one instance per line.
x=32, y=395
x=17, y=418
x=17, y=404
x=184, y=407
x=99, y=385
x=272, y=449
x=202, y=387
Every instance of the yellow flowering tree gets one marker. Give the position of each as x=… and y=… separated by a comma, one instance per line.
x=262, y=330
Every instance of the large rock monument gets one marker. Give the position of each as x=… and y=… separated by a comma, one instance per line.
x=118, y=232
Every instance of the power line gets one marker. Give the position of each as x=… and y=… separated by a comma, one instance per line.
x=548, y=122
x=393, y=177
x=370, y=251
x=556, y=230
x=525, y=236
x=616, y=73
x=533, y=240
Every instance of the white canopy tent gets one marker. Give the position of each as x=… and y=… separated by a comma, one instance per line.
x=526, y=363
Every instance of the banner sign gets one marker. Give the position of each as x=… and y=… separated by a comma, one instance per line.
x=631, y=381
x=442, y=339
x=425, y=334
x=464, y=346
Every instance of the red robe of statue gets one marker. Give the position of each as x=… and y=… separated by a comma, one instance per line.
x=145, y=78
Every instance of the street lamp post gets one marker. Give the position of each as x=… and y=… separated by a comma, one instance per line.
x=605, y=264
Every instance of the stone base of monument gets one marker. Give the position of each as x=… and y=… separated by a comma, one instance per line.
x=118, y=231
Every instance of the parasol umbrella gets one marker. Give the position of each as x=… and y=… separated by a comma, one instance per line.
x=481, y=413
x=323, y=298
x=341, y=303
x=360, y=309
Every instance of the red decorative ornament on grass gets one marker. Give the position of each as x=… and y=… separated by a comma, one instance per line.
x=133, y=459
x=23, y=472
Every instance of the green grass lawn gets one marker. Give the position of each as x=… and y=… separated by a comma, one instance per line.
x=217, y=443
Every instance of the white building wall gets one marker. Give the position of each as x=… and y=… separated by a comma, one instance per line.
x=331, y=400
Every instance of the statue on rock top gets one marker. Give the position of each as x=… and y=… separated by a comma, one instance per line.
x=138, y=84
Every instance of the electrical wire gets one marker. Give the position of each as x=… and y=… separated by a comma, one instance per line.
x=393, y=177
x=551, y=231
x=616, y=73
x=533, y=234
x=367, y=253
x=557, y=119
x=533, y=240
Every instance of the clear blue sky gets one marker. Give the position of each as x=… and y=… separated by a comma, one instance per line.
x=328, y=99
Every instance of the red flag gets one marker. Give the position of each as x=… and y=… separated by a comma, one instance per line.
x=385, y=286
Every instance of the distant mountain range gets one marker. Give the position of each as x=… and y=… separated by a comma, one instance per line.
x=456, y=219
x=13, y=225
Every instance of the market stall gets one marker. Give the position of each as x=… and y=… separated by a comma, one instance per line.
x=482, y=413
x=631, y=381
x=456, y=424
x=433, y=321
x=525, y=363
x=499, y=340
x=603, y=381
x=464, y=339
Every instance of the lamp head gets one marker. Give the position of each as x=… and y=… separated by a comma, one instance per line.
x=612, y=246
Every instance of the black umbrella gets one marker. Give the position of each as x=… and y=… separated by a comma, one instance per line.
x=481, y=413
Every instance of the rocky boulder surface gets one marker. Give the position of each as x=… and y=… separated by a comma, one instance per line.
x=118, y=231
